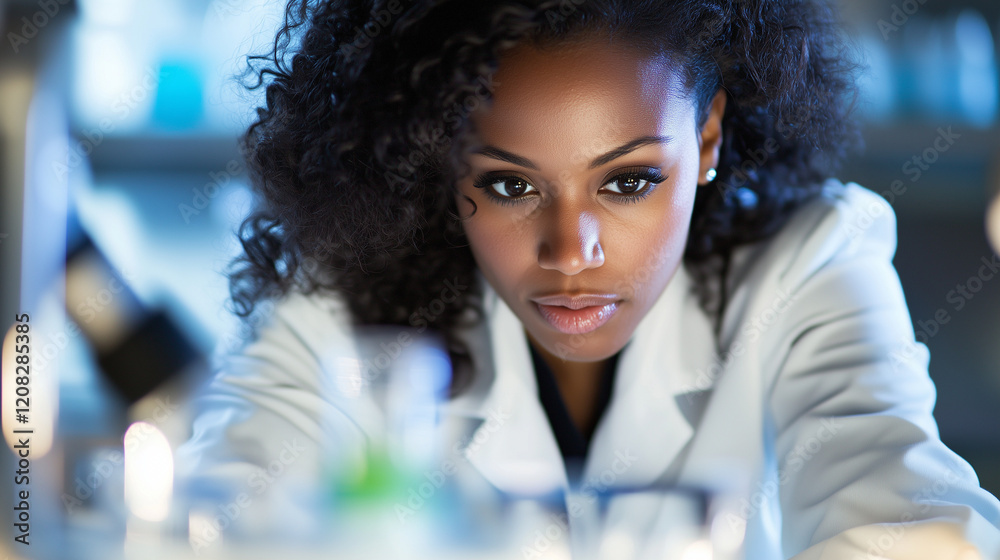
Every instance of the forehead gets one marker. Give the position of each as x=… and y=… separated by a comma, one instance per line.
x=586, y=93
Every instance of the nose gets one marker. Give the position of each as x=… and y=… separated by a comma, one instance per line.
x=571, y=244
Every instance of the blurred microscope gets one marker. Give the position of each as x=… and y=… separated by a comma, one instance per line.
x=58, y=292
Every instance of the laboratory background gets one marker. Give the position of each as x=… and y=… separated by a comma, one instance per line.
x=125, y=115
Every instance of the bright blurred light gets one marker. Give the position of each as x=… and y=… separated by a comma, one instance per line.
x=526, y=477
x=698, y=550
x=535, y=532
x=229, y=32
x=348, y=377
x=106, y=12
x=727, y=538
x=993, y=223
x=149, y=472
x=617, y=544
x=40, y=396
x=200, y=526
x=112, y=92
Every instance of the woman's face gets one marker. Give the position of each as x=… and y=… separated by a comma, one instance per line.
x=586, y=184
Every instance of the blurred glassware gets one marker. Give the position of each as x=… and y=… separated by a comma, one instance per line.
x=179, y=103
x=977, y=68
x=141, y=67
x=948, y=70
x=673, y=523
x=390, y=381
x=924, y=69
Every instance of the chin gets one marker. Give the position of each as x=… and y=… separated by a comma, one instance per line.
x=590, y=347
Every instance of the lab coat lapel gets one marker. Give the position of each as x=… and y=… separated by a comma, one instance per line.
x=514, y=447
x=643, y=429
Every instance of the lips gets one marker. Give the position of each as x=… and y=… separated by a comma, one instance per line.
x=577, y=314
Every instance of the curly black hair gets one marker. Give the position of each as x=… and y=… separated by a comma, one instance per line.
x=356, y=151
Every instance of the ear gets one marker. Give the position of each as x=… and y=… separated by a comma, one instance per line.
x=710, y=137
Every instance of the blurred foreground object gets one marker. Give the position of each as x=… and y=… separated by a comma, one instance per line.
x=993, y=223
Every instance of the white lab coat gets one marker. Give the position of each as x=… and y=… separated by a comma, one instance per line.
x=815, y=389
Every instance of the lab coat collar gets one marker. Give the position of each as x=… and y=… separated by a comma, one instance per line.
x=641, y=432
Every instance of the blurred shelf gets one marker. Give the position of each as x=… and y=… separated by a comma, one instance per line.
x=904, y=140
x=868, y=12
x=955, y=182
x=162, y=152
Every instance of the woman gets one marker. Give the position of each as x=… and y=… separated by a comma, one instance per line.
x=620, y=217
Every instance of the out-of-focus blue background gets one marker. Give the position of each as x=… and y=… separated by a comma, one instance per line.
x=147, y=94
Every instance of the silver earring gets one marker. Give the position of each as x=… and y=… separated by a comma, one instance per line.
x=711, y=174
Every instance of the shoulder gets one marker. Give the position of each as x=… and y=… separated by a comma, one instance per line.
x=832, y=256
x=273, y=384
x=846, y=220
x=269, y=397
x=290, y=342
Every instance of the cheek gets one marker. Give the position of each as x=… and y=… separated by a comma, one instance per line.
x=672, y=231
x=676, y=219
x=497, y=244
x=658, y=239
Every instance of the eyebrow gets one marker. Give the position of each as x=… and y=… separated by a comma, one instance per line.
x=504, y=155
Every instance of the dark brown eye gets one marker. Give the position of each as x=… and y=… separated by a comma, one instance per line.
x=510, y=187
x=630, y=184
x=505, y=189
x=635, y=183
